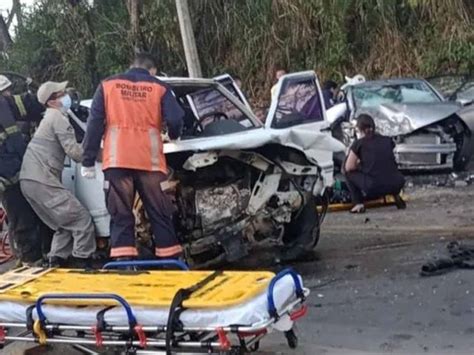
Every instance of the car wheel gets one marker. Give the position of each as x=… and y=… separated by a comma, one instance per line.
x=304, y=229
x=463, y=153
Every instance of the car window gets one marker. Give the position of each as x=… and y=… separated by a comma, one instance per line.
x=466, y=92
x=298, y=102
x=211, y=105
x=375, y=95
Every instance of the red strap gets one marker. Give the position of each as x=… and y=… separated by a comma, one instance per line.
x=99, y=340
x=223, y=340
x=141, y=335
x=2, y=335
x=299, y=313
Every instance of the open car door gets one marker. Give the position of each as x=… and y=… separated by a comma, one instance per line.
x=229, y=83
x=297, y=100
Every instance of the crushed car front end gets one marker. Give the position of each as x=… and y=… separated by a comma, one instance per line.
x=233, y=183
x=429, y=132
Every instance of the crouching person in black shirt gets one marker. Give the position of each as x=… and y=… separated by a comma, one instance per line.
x=370, y=168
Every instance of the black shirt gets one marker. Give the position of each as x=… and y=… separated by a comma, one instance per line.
x=377, y=159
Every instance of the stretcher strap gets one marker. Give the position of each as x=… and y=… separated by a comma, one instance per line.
x=270, y=297
x=29, y=317
x=177, y=308
x=101, y=323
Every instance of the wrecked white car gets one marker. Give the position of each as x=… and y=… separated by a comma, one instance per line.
x=235, y=182
x=430, y=132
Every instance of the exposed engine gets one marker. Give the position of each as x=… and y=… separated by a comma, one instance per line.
x=228, y=202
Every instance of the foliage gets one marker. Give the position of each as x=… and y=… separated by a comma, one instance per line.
x=249, y=38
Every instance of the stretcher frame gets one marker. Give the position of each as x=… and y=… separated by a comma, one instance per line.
x=136, y=339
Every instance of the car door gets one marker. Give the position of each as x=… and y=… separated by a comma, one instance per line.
x=297, y=110
x=298, y=100
x=229, y=83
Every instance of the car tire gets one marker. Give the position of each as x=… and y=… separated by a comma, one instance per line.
x=304, y=229
x=463, y=154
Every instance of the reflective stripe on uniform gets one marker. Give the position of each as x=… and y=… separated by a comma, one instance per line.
x=10, y=181
x=113, y=146
x=123, y=251
x=3, y=137
x=11, y=130
x=155, y=148
x=167, y=252
x=20, y=105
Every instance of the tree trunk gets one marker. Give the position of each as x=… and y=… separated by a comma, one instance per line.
x=16, y=8
x=134, y=9
x=189, y=42
x=5, y=38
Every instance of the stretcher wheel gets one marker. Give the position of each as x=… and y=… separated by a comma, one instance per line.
x=292, y=339
x=255, y=347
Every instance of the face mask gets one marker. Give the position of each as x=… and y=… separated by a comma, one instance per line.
x=66, y=103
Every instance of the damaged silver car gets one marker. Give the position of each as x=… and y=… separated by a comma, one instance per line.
x=235, y=182
x=430, y=132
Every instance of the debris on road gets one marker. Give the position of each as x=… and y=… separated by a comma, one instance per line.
x=461, y=256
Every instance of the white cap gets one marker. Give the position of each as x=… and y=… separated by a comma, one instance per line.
x=4, y=83
x=49, y=88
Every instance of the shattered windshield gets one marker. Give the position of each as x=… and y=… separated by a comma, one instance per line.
x=378, y=94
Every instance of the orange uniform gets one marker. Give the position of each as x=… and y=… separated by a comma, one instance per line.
x=128, y=111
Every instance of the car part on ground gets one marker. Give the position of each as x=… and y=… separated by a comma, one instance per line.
x=460, y=256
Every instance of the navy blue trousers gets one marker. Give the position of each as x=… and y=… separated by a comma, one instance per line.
x=121, y=186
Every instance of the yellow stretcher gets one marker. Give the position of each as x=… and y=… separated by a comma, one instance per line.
x=227, y=289
x=388, y=200
x=144, y=311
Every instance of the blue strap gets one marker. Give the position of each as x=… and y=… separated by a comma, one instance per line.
x=132, y=321
x=298, y=289
x=146, y=263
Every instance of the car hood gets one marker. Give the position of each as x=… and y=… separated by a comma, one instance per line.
x=400, y=119
x=300, y=137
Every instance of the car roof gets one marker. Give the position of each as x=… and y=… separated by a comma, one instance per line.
x=394, y=81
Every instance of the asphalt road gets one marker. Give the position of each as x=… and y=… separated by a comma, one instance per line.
x=367, y=296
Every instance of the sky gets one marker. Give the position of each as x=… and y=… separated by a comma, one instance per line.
x=7, y=4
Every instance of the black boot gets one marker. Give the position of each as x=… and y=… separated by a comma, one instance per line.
x=401, y=205
x=79, y=263
x=56, y=261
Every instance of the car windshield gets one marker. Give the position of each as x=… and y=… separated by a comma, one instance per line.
x=378, y=94
x=212, y=105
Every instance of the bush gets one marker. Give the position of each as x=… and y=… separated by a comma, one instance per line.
x=249, y=38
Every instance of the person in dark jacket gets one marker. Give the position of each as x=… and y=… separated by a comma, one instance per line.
x=129, y=111
x=25, y=229
x=329, y=93
x=370, y=168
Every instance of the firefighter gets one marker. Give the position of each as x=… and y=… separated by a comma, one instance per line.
x=25, y=229
x=129, y=110
x=74, y=240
